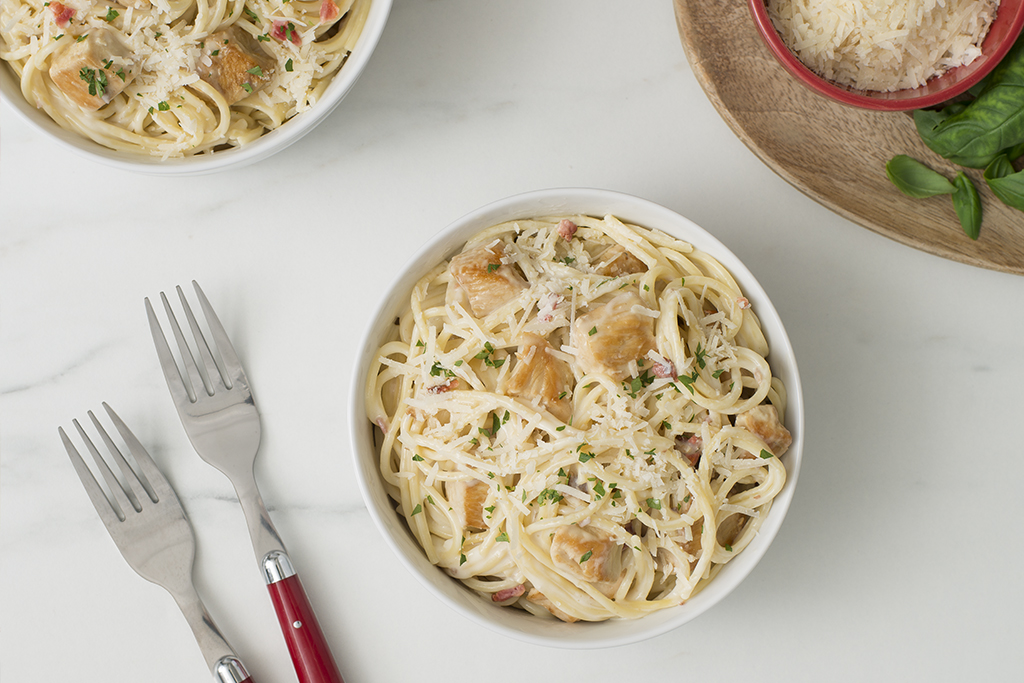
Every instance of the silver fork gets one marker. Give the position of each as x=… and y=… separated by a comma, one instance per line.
x=216, y=408
x=151, y=530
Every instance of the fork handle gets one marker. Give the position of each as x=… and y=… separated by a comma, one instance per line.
x=311, y=656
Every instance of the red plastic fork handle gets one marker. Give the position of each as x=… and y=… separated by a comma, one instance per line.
x=310, y=653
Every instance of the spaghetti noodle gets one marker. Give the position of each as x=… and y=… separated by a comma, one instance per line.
x=576, y=417
x=172, y=78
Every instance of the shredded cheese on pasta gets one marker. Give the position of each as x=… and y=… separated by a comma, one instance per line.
x=642, y=470
x=166, y=110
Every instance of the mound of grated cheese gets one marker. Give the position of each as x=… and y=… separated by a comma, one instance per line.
x=883, y=45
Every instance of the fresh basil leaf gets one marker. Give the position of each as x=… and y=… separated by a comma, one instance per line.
x=916, y=180
x=988, y=125
x=1015, y=153
x=967, y=205
x=1005, y=183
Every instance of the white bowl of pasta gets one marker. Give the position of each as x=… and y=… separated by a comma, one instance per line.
x=182, y=87
x=577, y=418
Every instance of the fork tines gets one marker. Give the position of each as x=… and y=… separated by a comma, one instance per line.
x=113, y=508
x=218, y=367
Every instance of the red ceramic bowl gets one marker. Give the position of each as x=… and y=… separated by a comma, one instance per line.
x=1001, y=36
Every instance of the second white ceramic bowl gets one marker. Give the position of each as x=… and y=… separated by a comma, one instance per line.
x=517, y=623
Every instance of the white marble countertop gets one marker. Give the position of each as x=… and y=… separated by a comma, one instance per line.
x=899, y=560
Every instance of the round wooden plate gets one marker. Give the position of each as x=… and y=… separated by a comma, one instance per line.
x=833, y=153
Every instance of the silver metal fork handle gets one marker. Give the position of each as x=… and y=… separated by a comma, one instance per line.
x=224, y=664
x=264, y=536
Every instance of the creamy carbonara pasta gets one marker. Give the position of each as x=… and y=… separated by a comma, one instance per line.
x=171, y=78
x=576, y=417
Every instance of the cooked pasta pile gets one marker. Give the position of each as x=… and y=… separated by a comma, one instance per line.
x=577, y=418
x=172, y=78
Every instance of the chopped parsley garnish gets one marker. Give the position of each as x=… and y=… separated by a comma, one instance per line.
x=729, y=548
x=491, y=267
x=562, y=395
x=258, y=72
x=566, y=260
x=549, y=495
x=418, y=458
x=163, y=106
x=718, y=373
x=247, y=87
x=458, y=363
x=599, y=490
x=637, y=383
x=437, y=369
x=666, y=425
x=263, y=38
x=97, y=80
x=485, y=356
x=593, y=331
x=586, y=556
x=462, y=559
x=584, y=457
x=688, y=380
x=687, y=498
x=111, y=15
x=58, y=37
x=81, y=37
x=502, y=538
x=120, y=74
x=654, y=503
x=416, y=510
x=252, y=15
x=419, y=342
x=288, y=65
x=215, y=52
x=109, y=63
x=765, y=454
x=699, y=356
x=560, y=428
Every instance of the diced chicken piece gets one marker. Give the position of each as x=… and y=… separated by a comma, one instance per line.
x=235, y=64
x=484, y=279
x=467, y=498
x=93, y=70
x=539, y=376
x=616, y=261
x=588, y=555
x=539, y=598
x=610, y=337
x=764, y=422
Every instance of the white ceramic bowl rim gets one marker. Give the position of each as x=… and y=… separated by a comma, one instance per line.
x=261, y=148
x=514, y=623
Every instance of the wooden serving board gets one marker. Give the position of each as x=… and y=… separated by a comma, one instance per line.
x=833, y=153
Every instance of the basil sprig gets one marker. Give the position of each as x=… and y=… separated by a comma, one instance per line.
x=916, y=180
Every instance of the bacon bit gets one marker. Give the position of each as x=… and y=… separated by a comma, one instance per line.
x=743, y=302
x=547, y=310
x=664, y=369
x=383, y=424
x=62, y=14
x=566, y=229
x=690, y=448
x=328, y=11
x=285, y=30
x=509, y=593
x=450, y=384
